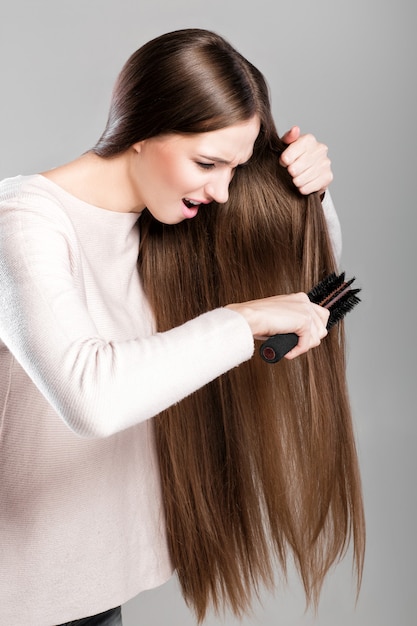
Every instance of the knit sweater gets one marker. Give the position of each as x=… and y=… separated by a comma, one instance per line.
x=82, y=372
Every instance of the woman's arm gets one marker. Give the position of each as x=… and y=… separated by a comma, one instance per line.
x=100, y=387
x=97, y=386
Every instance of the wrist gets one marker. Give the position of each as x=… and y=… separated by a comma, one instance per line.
x=245, y=312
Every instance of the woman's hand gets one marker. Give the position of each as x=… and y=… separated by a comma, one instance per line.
x=307, y=161
x=293, y=313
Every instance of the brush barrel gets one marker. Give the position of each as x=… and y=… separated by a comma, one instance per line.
x=277, y=346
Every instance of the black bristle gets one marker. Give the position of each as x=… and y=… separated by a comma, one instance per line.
x=342, y=307
x=330, y=288
x=334, y=294
x=325, y=287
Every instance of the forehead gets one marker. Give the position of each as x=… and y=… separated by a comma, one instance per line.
x=231, y=145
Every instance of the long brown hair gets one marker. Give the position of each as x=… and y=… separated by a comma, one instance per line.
x=260, y=465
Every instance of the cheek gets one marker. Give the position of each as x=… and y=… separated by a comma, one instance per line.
x=169, y=169
x=181, y=177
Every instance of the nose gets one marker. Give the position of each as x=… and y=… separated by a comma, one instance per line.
x=218, y=187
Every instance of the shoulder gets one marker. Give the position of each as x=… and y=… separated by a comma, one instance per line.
x=33, y=189
x=31, y=195
x=32, y=216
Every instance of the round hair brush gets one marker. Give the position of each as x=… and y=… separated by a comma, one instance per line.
x=332, y=293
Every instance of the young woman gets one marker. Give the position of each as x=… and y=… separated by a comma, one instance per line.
x=141, y=432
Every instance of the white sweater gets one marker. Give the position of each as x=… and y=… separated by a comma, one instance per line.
x=81, y=519
x=81, y=372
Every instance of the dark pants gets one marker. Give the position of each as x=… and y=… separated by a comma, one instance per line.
x=108, y=618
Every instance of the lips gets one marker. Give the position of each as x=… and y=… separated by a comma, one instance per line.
x=189, y=209
x=191, y=203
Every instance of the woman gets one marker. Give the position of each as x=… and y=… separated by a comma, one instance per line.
x=98, y=500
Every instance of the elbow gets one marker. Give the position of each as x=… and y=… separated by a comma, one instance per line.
x=90, y=430
x=88, y=403
x=87, y=425
x=87, y=416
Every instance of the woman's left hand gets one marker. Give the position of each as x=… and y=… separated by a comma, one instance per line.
x=307, y=161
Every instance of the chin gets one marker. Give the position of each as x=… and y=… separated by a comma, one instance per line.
x=169, y=221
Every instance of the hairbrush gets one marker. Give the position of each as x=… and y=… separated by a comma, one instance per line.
x=333, y=293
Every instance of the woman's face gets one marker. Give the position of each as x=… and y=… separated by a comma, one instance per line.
x=175, y=175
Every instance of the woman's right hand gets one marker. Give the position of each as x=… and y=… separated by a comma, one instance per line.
x=292, y=313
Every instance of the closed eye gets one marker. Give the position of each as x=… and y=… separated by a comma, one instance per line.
x=205, y=166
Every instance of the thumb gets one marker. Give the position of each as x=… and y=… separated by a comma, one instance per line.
x=291, y=135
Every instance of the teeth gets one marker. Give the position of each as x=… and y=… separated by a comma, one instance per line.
x=192, y=202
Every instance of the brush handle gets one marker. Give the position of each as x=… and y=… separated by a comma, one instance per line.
x=277, y=346
x=333, y=293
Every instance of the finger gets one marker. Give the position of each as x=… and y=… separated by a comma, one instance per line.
x=319, y=184
x=318, y=329
x=291, y=135
x=304, y=344
x=320, y=312
x=313, y=334
x=304, y=157
x=293, y=151
x=305, y=146
x=318, y=332
x=314, y=178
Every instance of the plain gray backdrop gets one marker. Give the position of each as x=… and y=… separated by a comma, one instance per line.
x=346, y=71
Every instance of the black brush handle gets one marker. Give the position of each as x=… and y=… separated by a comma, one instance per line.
x=277, y=346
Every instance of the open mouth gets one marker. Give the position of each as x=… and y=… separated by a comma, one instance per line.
x=190, y=208
x=190, y=204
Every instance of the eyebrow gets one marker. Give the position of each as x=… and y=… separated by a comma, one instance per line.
x=213, y=158
x=218, y=160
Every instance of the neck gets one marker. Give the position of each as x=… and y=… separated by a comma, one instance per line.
x=105, y=183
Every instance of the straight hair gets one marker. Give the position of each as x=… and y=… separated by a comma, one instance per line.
x=259, y=467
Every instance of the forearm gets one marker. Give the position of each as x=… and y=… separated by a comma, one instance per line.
x=98, y=386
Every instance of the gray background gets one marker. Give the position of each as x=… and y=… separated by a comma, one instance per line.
x=345, y=71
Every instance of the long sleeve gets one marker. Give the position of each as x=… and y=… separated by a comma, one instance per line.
x=333, y=225
x=97, y=386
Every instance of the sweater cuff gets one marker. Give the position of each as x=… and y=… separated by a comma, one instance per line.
x=333, y=225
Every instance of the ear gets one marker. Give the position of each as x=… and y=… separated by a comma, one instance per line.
x=137, y=147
